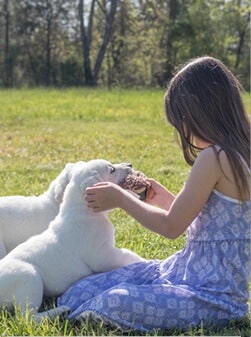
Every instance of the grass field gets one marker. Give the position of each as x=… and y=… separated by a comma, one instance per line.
x=42, y=130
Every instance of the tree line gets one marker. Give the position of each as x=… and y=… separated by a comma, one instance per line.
x=118, y=42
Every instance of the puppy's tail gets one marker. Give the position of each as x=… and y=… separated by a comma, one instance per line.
x=62, y=311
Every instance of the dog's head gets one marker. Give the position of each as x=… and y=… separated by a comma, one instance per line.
x=99, y=170
x=87, y=174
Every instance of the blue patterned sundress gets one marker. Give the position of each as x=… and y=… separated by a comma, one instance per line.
x=205, y=282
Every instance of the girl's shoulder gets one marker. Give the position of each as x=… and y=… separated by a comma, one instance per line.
x=226, y=181
x=209, y=157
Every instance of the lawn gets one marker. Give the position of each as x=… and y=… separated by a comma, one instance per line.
x=42, y=130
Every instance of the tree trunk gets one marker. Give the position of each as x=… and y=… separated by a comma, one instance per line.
x=86, y=41
x=108, y=30
x=173, y=9
x=91, y=77
x=48, y=54
x=242, y=32
x=7, y=61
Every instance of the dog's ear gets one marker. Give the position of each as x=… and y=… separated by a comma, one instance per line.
x=62, y=181
x=90, y=181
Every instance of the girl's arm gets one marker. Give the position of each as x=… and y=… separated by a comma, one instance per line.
x=184, y=207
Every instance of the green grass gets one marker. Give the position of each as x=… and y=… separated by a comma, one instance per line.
x=42, y=130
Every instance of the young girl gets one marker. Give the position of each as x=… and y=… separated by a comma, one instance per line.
x=208, y=280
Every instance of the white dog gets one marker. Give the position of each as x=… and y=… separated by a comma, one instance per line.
x=21, y=216
x=78, y=242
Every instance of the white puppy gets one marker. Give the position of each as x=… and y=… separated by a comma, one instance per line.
x=24, y=216
x=78, y=242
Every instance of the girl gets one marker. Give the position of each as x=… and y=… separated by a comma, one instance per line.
x=208, y=280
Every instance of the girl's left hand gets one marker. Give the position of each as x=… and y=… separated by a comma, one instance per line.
x=103, y=196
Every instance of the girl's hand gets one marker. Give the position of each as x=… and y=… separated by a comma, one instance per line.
x=103, y=196
x=158, y=195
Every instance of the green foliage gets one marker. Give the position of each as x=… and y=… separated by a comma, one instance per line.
x=42, y=130
x=41, y=43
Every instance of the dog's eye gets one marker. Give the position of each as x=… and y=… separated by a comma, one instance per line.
x=112, y=169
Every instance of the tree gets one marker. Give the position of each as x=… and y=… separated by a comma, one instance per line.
x=41, y=28
x=239, y=13
x=58, y=42
x=7, y=55
x=108, y=9
x=167, y=42
x=51, y=15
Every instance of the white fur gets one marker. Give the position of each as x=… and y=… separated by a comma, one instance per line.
x=79, y=242
x=22, y=217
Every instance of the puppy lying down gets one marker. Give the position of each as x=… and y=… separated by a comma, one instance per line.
x=78, y=242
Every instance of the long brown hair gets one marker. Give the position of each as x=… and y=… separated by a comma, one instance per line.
x=204, y=100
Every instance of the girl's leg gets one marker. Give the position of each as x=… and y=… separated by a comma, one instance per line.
x=91, y=286
x=142, y=307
